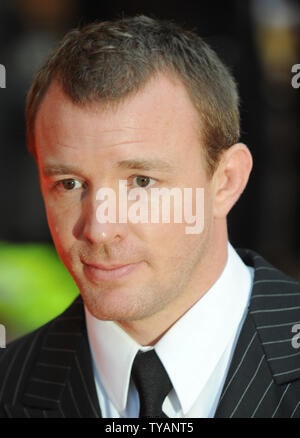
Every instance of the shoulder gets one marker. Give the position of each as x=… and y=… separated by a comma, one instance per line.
x=19, y=357
x=16, y=361
x=274, y=309
x=265, y=273
x=274, y=293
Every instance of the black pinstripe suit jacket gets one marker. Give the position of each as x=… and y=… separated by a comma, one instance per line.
x=48, y=373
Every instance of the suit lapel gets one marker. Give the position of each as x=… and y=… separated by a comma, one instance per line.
x=61, y=383
x=264, y=362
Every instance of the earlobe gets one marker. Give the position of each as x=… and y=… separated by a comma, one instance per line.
x=231, y=178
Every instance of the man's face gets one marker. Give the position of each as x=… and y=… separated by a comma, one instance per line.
x=153, y=134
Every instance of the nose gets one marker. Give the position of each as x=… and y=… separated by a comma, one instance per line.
x=97, y=232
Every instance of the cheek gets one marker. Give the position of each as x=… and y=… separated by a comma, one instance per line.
x=60, y=224
x=169, y=244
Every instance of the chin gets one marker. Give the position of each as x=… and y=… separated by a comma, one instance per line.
x=109, y=306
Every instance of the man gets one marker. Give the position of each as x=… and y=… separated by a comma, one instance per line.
x=169, y=323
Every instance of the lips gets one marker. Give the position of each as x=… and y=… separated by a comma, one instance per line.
x=107, y=267
x=99, y=273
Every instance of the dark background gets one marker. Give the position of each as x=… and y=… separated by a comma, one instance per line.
x=259, y=40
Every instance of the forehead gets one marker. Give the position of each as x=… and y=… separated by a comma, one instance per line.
x=161, y=112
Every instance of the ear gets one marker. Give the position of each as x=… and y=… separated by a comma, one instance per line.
x=230, y=178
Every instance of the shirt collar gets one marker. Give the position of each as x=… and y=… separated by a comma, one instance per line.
x=190, y=349
x=113, y=353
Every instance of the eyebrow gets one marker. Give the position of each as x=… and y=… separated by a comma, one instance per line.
x=154, y=164
x=61, y=169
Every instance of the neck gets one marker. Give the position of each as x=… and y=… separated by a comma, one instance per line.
x=148, y=331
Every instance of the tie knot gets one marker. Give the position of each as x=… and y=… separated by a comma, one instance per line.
x=152, y=382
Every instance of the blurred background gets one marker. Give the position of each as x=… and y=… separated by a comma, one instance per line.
x=258, y=39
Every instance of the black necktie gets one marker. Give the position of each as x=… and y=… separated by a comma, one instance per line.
x=152, y=382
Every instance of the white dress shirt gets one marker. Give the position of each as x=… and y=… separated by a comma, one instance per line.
x=196, y=351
